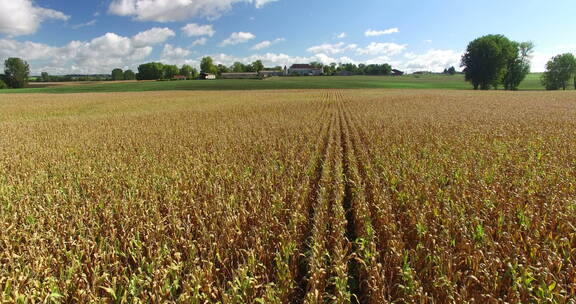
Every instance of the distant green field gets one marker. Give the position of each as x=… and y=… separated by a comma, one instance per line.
x=455, y=82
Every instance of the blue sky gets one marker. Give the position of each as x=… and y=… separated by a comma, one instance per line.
x=95, y=36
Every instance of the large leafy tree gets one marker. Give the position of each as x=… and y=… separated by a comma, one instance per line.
x=45, y=77
x=485, y=61
x=129, y=75
x=150, y=71
x=16, y=72
x=518, y=66
x=257, y=66
x=187, y=70
x=559, y=71
x=222, y=69
x=239, y=67
x=117, y=74
x=207, y=66
x=170, y=71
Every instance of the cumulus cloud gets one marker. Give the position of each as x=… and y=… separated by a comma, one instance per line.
x=380, y=60
x=28, y=50
x=267, y=43
x=201, y=41
x=99, y=55
x=176, y=10
x=152, y=36
x=432, y=60
x=237, y=38
x=382, y=48
x=195, y=30
x=261, y=3
x=372, y=33
x=171, y=52
x=341, y=35
x=22, y=17
x=332, y=48
x=539, y=60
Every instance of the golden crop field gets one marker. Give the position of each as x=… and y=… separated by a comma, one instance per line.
x=313, y=196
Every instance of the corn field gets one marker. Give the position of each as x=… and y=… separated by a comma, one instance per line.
x=312, y=196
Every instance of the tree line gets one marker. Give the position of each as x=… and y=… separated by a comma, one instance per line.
x=157, y=71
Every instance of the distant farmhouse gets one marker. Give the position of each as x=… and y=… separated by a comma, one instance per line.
x=207, y=76
x=304, y=70
x=396, y=72
x=240, y=75
x=254, y=75
x=271, y=73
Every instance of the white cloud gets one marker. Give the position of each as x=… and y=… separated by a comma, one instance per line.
x=201, y=41
x=174, y=52
x=28, y=50
x=332, y=48
x=175, y=10
x=22, y=17
x=152, y=36
x=539, y=60
x=237, y=38
x=99, y=55
x=372, y=33
x=428, y=41
x=379, y=60
x=195, y=30
x=341, y=35
x=382, y=48
x=81, y=25
x=267, y=43
x=261, y=3
x=432, y=60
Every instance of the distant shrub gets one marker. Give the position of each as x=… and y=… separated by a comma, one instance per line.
x=3, y=85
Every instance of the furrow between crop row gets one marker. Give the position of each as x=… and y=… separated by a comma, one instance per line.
x=366, y=281
x=386, y=279
x=316, y=255
x=301, y=227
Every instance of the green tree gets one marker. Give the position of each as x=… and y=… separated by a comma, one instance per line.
x=316, y=65
x=129, y=75
x=330, y=70
x=207, y=66
x=485, y=60
x=518, y=66
x=16, y=72
x=222, y=69
x=169, y=71
x=186, y=70
x=44, y=77
x=451, y=71
x=150, y=71
x=117, y=74
x=257, y=66
x=559, y=71
x=238, y=67
x=3, y=85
